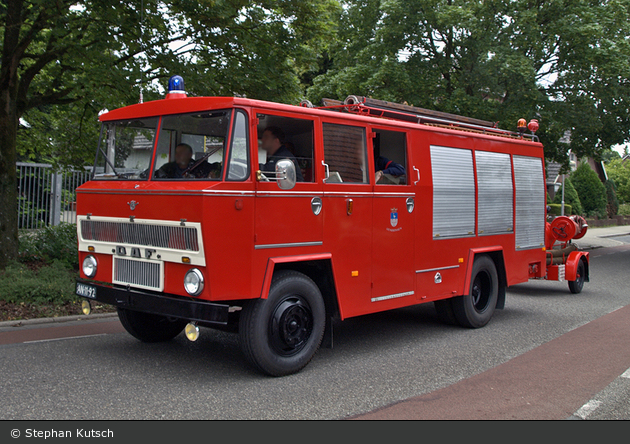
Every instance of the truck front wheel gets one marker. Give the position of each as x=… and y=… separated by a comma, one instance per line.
x=281, y=334
x=149, y=327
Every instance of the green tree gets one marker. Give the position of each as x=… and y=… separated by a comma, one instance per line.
x=62, y=62
x=590, y=189
x=570, y=197
x=562, y=62
x=612, y=205
x=619, y=172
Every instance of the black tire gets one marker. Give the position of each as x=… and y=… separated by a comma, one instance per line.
x=445, y=312
x=475, y=309
x=281, y=334
x=149, y=327
x=577, y=285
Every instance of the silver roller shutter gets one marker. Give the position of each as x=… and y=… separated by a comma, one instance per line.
x=453, y=192
x=530, y=202
x=495, y=193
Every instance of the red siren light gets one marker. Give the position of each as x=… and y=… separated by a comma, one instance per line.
x=533, y=125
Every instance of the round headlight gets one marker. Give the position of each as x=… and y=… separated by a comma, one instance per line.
x=193, y=282
x=89, y=266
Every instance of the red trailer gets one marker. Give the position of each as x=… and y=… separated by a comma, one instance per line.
x=277, y=253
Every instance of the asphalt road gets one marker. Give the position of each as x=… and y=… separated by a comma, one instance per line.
x=94, y=370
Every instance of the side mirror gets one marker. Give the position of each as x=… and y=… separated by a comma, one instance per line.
x=285, y=172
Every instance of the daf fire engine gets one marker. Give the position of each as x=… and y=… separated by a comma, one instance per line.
x=278, y=254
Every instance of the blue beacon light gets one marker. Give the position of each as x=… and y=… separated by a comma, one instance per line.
x=176, y=86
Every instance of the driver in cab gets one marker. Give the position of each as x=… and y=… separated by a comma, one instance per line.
x=182, y=166
x=272, y=142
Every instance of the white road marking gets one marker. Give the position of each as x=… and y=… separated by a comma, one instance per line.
x=63, y=339
x=587, y=409
x=626, y=374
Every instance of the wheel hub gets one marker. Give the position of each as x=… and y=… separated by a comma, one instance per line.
x=481, y=291
x=290, y=326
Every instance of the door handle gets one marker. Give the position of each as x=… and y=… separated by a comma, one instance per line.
x=417, y=174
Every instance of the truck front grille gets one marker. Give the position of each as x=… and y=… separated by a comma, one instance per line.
x=137, y=273
x=150, y=235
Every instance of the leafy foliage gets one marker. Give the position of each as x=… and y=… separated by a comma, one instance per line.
x=570, y=198
x=562, y=62
x=591, y=190
x=619, y=172
x=612, y=204
x=52, y=283
x=53, y=243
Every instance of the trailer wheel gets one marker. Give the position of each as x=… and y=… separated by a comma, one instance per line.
x=281, y=334
x=577, y=285
x=149, y=327
x=475, y=309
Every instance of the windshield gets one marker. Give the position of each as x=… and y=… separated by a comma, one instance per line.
x=192, y=146
x=125, y=149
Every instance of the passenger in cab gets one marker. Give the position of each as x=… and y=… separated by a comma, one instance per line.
x=272, y=141
x=385, y=166
x=182, y=166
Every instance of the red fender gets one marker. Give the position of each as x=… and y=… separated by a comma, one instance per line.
x=571, y=265
x=281, y=260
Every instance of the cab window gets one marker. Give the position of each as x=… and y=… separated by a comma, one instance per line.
x=390, y=157
x=344, y=154
x=282, y=137
x=192, y=146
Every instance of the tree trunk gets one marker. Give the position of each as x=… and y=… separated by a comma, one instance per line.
x=9, y=118
x=8, y=184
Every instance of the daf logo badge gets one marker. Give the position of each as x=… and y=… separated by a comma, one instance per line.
x=132, y=204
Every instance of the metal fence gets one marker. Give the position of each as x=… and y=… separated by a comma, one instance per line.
x=45, y=196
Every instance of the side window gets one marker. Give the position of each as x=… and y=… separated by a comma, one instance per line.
x=286, y=138
x=344, y=154
x=390, y=157
x=238, y=166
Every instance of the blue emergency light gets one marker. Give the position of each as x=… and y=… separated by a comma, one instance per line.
x=176, y=84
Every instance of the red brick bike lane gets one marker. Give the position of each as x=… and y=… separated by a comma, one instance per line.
x=550, y=382
x=61, y=330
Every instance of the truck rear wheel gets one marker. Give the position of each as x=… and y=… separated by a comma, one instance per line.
x=577, y=285
x=149, y=327
x=281, y=334
x=475, y=309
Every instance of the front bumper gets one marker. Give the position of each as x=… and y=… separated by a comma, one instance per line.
x=155, y=303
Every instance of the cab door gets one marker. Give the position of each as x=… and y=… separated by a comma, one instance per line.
x=393, y=272
x=288, y=222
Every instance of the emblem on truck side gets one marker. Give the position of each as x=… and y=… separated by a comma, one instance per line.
x=393, y=218
x=132, y=204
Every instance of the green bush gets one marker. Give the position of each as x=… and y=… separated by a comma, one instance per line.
x=54, y=283
x=556, y=209
x=612, y=206
x=49, y=244
x=591, y=191
x=624, y=209
x=571, y=198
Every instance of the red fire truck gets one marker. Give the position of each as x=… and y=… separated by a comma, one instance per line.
x=373, y=206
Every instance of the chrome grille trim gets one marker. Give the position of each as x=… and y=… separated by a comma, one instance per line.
x=142, y=274
x=150, y=235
